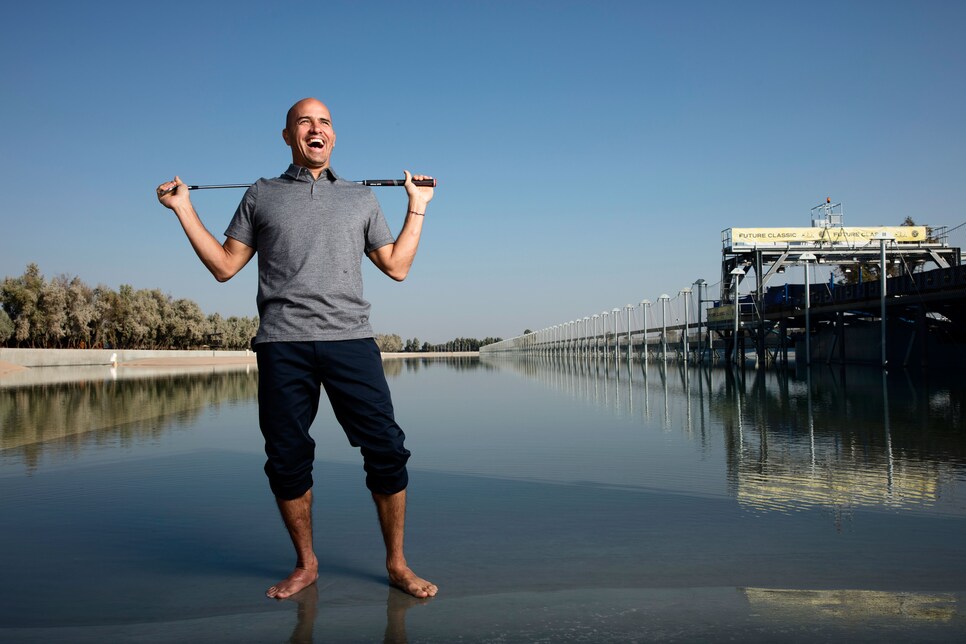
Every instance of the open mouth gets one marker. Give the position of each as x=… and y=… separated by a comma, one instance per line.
x=316, y=143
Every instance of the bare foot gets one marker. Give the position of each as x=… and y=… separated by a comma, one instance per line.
x=299, y=579
x=406, y=580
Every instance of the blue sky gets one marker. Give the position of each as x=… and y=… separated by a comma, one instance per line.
x=588, y=154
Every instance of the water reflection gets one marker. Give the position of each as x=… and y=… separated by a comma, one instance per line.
x=852, y=605
x=395, y=366
x=837, y=439
x=100, y=411
x=669, y=492
x=398, y=604
x=307, y=600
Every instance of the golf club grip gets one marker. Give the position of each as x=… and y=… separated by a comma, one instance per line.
x=430, y=183
x=227, y=185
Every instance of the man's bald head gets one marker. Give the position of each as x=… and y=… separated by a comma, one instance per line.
x=292, y=111
x=308, y=131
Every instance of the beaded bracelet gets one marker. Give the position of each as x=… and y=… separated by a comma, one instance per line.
x=413, y=212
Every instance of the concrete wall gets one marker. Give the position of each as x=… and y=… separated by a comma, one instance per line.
x=81, y=357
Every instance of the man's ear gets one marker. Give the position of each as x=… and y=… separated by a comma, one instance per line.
x=285, y=137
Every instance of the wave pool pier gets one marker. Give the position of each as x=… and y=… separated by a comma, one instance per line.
x=888, y=296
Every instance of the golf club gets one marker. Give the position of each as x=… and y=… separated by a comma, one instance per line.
x=366, y=182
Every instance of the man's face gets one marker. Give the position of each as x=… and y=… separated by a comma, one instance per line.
x=310, y=135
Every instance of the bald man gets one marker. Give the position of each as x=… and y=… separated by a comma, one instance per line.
x=310, y=229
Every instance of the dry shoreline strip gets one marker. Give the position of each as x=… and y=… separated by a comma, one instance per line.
x=229, y=359
x=208, y=361
x=6, y=367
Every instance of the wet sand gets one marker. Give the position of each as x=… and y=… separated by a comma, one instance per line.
x=640, y=565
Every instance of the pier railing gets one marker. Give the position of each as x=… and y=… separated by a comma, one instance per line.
x=921, y=312
x=670, y=328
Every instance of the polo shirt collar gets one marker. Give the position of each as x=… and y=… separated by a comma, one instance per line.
x=298, y=173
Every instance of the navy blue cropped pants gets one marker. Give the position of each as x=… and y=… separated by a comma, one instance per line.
x=350, y=371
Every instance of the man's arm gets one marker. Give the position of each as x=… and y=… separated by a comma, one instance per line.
x=223, y=260
x=396, y=259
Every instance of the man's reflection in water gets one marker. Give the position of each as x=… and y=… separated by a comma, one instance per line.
x=308, y=601
x=397, y=604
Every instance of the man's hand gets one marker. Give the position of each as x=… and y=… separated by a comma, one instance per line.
x=419, y=196
x=173, y=194
x=396, y=259
x=223, y=260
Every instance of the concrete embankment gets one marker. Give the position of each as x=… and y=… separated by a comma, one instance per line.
x=6, y=367
x=94, y=357
x=433, y=354
x=25, y=367
x=12, y=360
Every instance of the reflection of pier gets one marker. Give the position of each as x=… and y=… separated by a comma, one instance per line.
x=841, y=440
x=852, y=605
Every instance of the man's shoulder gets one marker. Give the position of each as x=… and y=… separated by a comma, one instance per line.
x=287, y=180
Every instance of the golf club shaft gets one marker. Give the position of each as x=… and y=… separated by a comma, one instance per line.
x=366, y=182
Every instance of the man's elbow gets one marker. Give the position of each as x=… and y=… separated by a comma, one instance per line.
x=398, y=274
x=222, y=274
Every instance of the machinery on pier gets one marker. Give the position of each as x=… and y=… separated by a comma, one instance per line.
x=865, y=260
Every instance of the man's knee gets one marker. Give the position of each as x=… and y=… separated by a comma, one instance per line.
x=288, y=399
x=386, y=470
x=287, y=483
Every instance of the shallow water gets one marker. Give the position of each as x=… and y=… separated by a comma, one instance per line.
x=550, y=500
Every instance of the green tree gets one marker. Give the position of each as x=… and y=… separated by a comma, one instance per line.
x=391, y=343
x=215, y=331
x=80, y=314
x=52, y=306
x=252, y=329
x=132, y=327
x=233, y=337
x=189, y=324
x=6, y=326
x=65, y=312
x=20, y=297
x=146, y=310
x=109, y=313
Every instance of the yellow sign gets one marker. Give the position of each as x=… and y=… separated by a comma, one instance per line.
x=838, y=236
x=723, y=313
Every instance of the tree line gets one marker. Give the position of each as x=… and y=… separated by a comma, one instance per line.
x=395, y=344
x=65, y=313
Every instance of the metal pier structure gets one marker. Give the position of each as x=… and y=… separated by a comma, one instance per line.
x=899, y=299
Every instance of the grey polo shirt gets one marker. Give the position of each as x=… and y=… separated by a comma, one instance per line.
x=310, y=236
